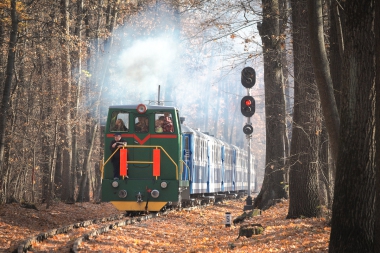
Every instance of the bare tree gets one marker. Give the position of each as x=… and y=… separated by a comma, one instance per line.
x=274, y=181
x=68, y=174
x=353, y=211
x=322, y=74
x=307, y=124
x=376, y=237
x=6, y=94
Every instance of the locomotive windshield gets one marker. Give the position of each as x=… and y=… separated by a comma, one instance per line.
x=119, y=122
x=141, y=124
x=163, y=122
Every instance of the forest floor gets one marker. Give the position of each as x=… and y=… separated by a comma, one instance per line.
x=200, y=230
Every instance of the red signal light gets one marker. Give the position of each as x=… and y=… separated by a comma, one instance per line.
x=247, y=106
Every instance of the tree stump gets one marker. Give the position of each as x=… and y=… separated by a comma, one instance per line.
x=250, y=229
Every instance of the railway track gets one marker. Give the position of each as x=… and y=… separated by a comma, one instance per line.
x=69, y=238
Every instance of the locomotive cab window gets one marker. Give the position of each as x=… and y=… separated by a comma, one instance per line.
x=141, y=124
x=163, y=122
x=119, y=122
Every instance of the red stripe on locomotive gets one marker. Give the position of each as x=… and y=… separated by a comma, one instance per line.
x=153, y=136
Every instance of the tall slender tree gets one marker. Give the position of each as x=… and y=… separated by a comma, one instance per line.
x=273, y=185
x=377, y=126
x=12, y=49
x=66, y=131
x=322, y=74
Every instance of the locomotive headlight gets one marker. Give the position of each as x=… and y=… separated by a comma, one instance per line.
x=141, y=108
x=155, y=193
x=115, y=184
x=164, y=184
x=122, y=194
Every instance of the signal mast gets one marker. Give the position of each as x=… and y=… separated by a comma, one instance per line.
x=247, y=107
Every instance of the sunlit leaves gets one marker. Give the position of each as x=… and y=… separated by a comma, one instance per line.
x=203, y=230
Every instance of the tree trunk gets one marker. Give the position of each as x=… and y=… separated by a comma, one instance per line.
x=76, y=100
x=326, y=182
x=66, y=132
x=322, y=74
x=352, y=223
x=284, y=12
x=7, y=91
x=52, y=166
x=48, y=136
x=307, y=124
x=336, y=51
x=376, y=237
x=273, y=185
x=86, y=165
x=2, y=40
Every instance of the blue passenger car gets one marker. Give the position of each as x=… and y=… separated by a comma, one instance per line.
x=213, y=166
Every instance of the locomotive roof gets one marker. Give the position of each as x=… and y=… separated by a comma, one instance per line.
x=149, y=107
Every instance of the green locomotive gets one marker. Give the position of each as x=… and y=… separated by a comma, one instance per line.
x=150, y=158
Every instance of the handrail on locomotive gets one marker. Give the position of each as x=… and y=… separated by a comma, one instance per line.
x=188, y=168
x=140, y=162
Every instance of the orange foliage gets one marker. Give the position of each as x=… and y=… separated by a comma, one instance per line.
x=200, y=230
x=203, y=230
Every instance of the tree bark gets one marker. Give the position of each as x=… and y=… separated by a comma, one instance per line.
x=376, y=237
x=86, y=165
x=77, y=92
x=352, y=223
x=322, y=74
x=52, y=166
x=66, y=132
x=307, y=124
x=336, y=50
x=284, y=16
x=273, y=184
x=7, y=91
x=2, y=41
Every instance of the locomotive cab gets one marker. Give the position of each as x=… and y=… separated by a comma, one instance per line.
x=149, y=166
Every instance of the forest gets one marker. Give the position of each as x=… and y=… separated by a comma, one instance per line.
x=63, y=62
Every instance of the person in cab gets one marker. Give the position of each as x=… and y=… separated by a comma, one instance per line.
x=167, y=125
x=142, y=125
x=119, y=126
x=158, y=124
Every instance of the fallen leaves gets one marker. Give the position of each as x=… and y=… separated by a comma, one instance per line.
x=17, y=223
x=200, y=230
x=203, y=230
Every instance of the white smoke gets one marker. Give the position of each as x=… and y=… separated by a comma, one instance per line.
x=146, y=64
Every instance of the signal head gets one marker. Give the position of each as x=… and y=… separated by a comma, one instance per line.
x=247, y=106
x=248, y=129
x=248, y=77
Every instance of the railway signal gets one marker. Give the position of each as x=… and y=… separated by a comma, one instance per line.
x=248, y=129
x=248, y=77
x=247, y=106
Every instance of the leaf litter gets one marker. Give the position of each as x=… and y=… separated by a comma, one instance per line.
x=199, y=230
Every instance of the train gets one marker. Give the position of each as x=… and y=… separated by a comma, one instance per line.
x=164, y=163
